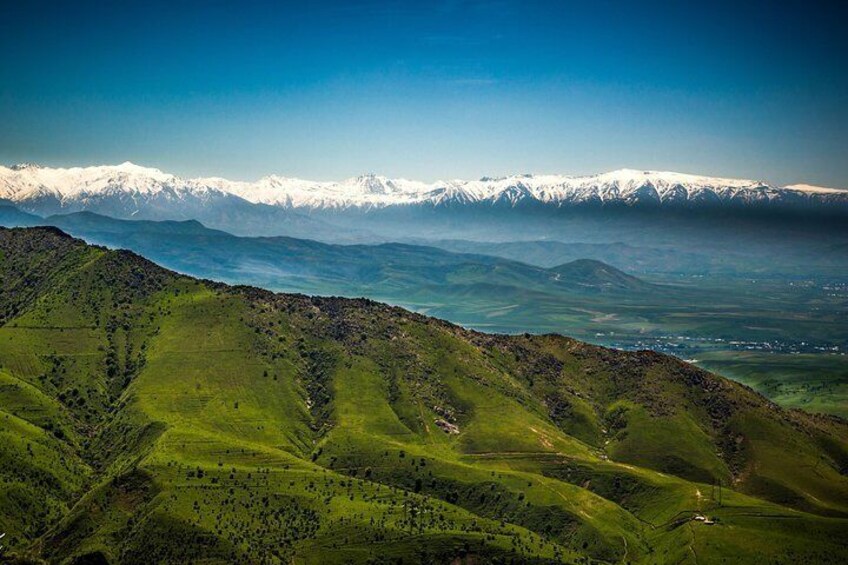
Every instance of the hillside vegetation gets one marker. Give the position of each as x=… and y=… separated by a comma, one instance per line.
x=150, y=417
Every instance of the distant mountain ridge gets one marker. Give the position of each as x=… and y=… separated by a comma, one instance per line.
x=129, y=190
x=285, y=263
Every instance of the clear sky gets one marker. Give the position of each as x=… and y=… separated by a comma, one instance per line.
x=428, y=90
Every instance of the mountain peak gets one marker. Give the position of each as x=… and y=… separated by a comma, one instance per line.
x=25, y=166
x=132, y=168
x=372, y=183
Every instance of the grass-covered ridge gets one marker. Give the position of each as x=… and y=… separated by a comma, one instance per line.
x=150, y=417
x=782, y=333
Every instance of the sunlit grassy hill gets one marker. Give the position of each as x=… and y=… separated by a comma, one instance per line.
x=150, y=417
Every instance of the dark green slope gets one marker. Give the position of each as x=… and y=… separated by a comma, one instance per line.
x=150, y=417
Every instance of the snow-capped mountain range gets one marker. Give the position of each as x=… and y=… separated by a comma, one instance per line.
x=127, y=190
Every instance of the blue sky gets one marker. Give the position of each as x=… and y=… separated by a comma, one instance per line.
x=443, y=89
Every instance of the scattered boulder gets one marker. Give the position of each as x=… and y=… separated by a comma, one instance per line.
x=446, y=426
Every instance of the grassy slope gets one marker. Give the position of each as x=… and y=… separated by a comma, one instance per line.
x=691, y=317
x=720, y=321
x=164, y=419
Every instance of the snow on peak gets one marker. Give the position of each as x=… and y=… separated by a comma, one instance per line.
x=625, y=177
x=131, y=168
x=25, y=166
x=809, y=188
x=630, y=186
x=21, y=183
x=373, y=184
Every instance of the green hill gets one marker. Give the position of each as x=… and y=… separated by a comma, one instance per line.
x=596, y=275
x=147, y=416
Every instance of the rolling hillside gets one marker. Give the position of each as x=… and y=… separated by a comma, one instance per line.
x=708, y=319
x=146, y=416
